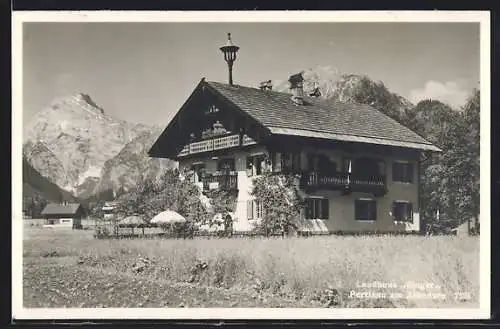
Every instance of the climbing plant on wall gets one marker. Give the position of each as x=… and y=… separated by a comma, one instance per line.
x=280, y=201
x=223, y=203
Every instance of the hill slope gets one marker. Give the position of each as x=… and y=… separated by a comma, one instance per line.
x=35, y=185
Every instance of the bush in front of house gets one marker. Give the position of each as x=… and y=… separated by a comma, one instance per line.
x=281, y=203
x=169, y=192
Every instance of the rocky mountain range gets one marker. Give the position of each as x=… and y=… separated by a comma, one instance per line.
x=346, y=88
x=76, y=146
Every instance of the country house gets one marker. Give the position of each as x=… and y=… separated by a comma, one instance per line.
x=357, y=168
x=64, y=214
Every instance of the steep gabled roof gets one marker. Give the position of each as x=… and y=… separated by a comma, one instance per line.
x=320, y=118
x=60, y=209
x=276, y=114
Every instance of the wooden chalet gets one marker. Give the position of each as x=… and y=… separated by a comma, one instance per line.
x=357, y=168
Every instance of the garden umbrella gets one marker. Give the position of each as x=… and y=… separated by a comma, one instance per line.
x=168, y=217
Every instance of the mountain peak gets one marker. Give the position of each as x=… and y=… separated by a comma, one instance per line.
x=81, y=100
x=87, y=99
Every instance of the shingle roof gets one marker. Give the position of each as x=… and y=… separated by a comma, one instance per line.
x=321, y=118
x=60, y=209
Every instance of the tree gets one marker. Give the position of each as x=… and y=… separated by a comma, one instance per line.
x=151, y=197
x=281, y=203
x=450, y=180
x=34, y=205
x=96, y=209
x=432, y=120
x=463, y=158
x=375, y=94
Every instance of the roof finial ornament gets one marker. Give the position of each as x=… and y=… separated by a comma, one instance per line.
x=230, y=51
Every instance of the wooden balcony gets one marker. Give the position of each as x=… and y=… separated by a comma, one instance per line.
x=216, y=143
x=320, y=181
x=344, y=182
x=223, y=181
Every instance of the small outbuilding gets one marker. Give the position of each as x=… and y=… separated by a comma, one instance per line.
x=64, y=215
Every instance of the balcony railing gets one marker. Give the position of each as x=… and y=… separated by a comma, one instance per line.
x=343, y=181
x=223, y=181
x=216, y=144
x=247, y=141
x=317, y=180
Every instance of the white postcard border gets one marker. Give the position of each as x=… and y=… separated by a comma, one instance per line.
x=482, y=17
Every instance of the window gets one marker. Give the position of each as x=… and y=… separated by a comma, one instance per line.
x=255, y=210
x=312, y=161
x=321, y=163
x=402, y=211
x=365, y=209
x=254, y=165
x=226, y=164
x=211, y=109
x=317, y=208
x=199, y=169
x=402, y=172
x=290, y=162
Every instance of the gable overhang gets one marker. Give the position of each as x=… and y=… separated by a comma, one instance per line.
x=352, y=139
x=176, y=135
x=163, y=147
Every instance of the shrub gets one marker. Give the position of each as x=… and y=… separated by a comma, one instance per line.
x=281, y=202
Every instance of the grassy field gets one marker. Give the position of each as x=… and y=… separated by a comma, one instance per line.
x=65, y=268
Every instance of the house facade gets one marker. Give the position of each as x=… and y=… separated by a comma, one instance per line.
x=357, y=168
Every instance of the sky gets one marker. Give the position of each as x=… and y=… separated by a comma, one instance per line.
x=143, y=72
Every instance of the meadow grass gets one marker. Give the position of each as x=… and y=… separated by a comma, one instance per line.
x=315, y=271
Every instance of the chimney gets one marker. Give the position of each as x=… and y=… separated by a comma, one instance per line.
x=296, y=87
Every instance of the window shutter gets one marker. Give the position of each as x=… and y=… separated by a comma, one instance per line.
x=410, y=212
x=249, y=209
x=409, y=173
x=316, y=208
x=373, y=210
x=249, y=166
x=309, y=206
x=394, y=211
x=277, y=162
x=325, y=209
